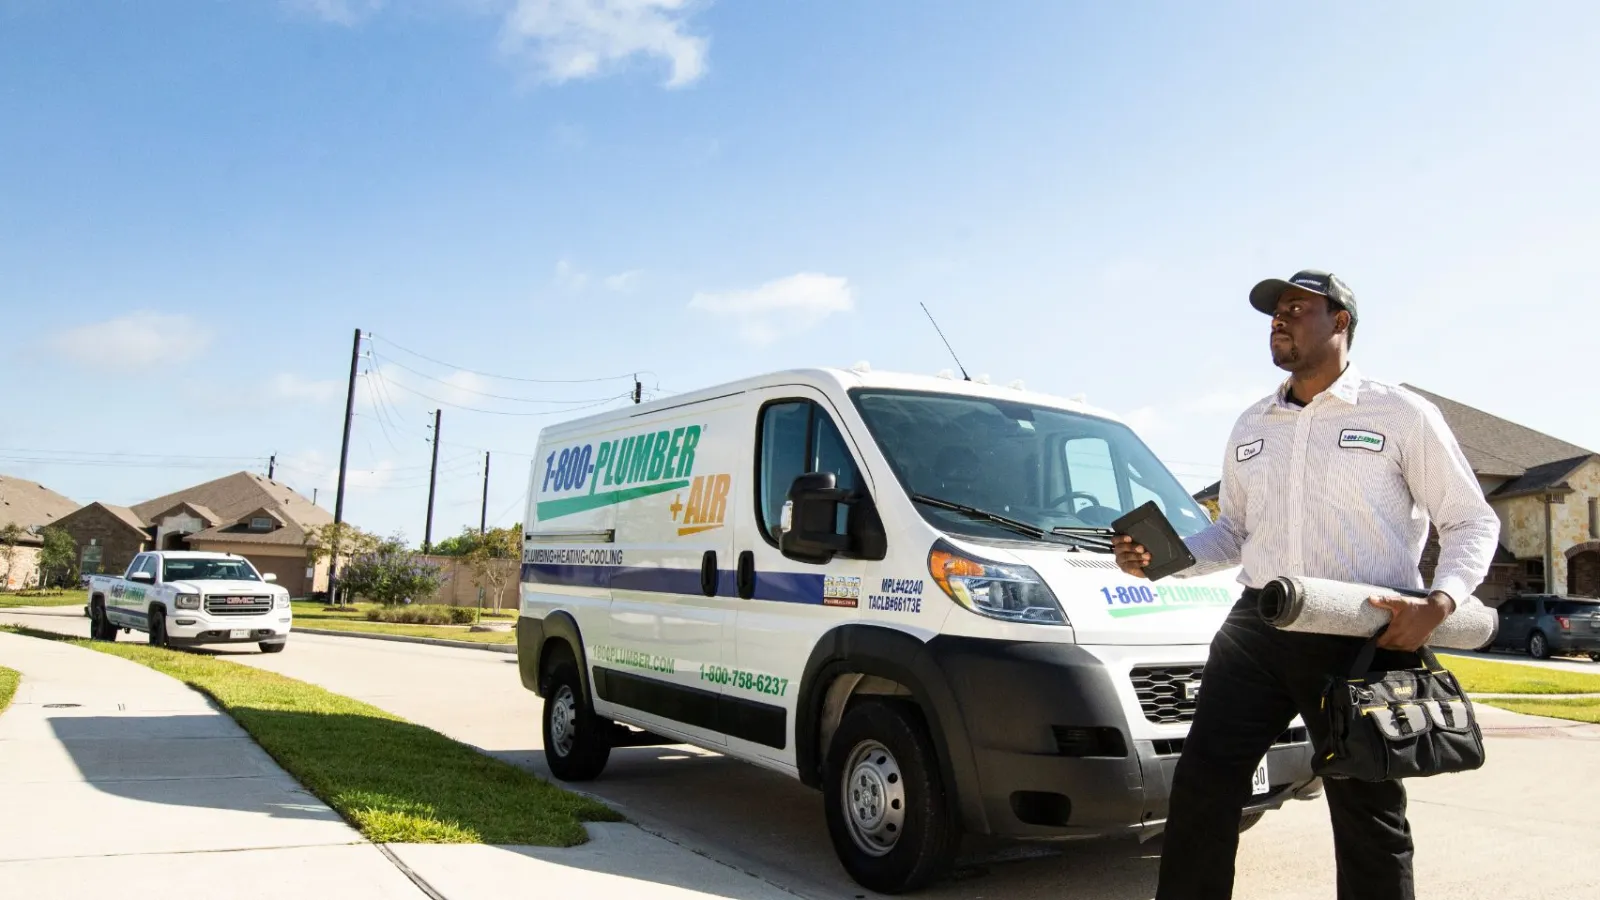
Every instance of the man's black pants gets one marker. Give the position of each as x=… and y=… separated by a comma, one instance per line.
x=1256, y=679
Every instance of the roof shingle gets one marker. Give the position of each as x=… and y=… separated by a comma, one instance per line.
x=31, y=505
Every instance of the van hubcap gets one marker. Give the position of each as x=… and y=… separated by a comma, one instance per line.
x=874, y=798
x=563, y=721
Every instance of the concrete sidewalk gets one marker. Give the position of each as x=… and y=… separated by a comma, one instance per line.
x=118, y=781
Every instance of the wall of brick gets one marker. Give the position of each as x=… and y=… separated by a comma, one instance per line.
x=458, y=589
x=118, y=544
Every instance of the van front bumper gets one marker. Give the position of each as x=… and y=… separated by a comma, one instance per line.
x=184, y=630
x=1053, y=754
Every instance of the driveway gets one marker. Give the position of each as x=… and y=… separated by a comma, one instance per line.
x=1478, y=834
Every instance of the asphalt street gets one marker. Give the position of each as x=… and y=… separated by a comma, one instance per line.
x=1506, y=832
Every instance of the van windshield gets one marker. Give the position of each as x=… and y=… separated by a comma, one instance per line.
x=1038, y=465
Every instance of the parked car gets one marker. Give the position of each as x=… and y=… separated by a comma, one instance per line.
x=1547, y=625
x=184, y=599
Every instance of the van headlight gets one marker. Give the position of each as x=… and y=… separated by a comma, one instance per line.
x=187, y=601
x=997, y=590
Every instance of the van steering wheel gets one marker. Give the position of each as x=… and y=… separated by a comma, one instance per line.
x=1073, y=495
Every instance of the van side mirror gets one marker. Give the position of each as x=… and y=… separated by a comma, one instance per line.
x=809, y=531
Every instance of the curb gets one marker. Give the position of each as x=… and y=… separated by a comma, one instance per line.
x=404, y=639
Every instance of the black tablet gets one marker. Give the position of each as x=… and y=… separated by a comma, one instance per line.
x=1149, y=527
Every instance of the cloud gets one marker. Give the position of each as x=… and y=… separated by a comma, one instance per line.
x=337, y=12
x=135, y=341
x=622, y=281
x=289, y=386
x=570, y=277
x=788, y=305
x=567, y=40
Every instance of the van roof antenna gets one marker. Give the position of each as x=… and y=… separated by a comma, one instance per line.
x=964, y=375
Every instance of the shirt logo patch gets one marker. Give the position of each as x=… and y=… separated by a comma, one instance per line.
x=1351, y=439
x=1247, y=452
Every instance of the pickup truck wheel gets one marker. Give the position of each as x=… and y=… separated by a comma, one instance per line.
x=887, y=807
x=100, y=627
x=158, y=629
x=576, y=743
x=273, y=647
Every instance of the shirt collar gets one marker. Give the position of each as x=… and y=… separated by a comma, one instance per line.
x=1347, y=388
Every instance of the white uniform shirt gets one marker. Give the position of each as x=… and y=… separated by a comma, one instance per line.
x=1344, y=489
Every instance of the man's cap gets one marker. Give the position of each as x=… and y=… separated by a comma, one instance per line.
x=1264, y=296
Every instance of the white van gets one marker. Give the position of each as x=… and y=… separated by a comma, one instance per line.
x=897, y=589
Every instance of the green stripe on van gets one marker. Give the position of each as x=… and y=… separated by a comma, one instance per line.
x=566, y=506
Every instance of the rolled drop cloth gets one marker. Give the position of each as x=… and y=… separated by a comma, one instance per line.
x=1320, y=606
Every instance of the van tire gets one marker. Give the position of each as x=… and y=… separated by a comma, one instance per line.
x=881, y=756
x=101, y=628
x=156, y=635
x=577, y=744
x=1249, y=820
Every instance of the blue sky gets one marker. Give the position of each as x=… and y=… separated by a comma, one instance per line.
x=199, y=202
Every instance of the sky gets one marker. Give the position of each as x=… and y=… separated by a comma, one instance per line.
x=201, y=201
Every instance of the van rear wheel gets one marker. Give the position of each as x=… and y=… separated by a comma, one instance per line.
x=887, y=807
x=576, y=743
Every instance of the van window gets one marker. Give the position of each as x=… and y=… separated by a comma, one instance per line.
x=797, y=437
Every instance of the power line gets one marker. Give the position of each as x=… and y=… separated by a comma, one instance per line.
x=501, y=412
x=457, y=387
x=627, y=377
x=119, y=454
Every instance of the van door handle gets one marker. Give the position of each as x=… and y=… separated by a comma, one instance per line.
x=746, y=575
x=708, y=573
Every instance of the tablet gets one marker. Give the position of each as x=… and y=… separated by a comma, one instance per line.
x=1149, y=528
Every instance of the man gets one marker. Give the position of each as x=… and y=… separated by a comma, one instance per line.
x=1334, y=476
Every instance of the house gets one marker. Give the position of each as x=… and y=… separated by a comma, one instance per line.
x=262, y=520
x=31, y=507
x=1546, y=493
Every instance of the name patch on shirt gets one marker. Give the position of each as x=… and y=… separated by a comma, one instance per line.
x=1246, y=452
x=1351, y=439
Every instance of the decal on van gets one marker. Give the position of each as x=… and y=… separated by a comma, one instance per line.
x=841, y=590
x=902, y=595
x=708, y=504
x=633, y=659
x=641, y=465
x=1137, y=600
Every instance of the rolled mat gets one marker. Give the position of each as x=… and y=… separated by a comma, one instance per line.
x=1320, y=606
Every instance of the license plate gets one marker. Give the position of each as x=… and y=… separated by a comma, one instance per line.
x=1259, y=784
x=239, y=633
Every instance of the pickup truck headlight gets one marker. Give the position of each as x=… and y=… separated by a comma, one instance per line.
x=997, y=590
x=282, y=602
x=188, y=601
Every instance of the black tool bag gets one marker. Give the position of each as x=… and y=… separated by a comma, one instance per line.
x=1407, y=723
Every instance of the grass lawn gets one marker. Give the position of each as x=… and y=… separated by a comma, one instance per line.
x=1586, y=709
x=8, y=686
x=395, y=781
x=316, y=615
x=1480, y=676
x=53, y=598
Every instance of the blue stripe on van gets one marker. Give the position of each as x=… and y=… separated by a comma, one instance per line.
x=779, y=587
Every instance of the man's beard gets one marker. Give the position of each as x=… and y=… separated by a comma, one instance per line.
x=1286, y=356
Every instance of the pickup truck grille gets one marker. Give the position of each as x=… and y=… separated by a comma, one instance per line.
x=235, y=605
x=1164, y=694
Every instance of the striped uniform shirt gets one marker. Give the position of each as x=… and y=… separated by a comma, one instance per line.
x=1344, y=489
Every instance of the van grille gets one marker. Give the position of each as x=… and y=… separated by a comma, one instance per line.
x=1174, y=746
x=1162, y=693
x=234, y=605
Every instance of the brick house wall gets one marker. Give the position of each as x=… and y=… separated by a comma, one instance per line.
x=118, y=542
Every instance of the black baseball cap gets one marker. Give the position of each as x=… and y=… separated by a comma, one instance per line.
x=1264, y=296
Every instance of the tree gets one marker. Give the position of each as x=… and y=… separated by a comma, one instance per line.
x=10, y=536
x=459, y=545
x=323, y=540
x=1212, y=508
x=490, y=561
x=391, y=573
x=58, y=559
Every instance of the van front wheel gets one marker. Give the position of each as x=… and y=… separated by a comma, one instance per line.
x=886, y=804
x=576, y=745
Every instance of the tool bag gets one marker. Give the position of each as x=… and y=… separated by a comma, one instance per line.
x=1406, y=723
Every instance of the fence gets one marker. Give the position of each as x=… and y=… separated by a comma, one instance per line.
x=458, y=589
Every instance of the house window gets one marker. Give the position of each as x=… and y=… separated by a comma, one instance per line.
x=260, y=523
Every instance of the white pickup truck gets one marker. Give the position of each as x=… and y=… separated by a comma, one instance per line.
x=185, y=598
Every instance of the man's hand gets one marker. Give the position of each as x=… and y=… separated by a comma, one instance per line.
x=1131, y=557
x=1412, y=621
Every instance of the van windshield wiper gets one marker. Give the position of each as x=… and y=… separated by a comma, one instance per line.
x=1018, y=525
x=1099, y=538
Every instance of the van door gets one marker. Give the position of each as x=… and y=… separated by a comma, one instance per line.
x=670, y=629
x=785, y=606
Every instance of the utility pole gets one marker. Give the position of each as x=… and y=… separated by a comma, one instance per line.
x=344, y=461
x=272, y=465
x=433, y=479
x=638, y=389
x=483, y=517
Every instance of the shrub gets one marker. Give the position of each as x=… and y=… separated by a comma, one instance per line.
x=422, y=615
x=390, y=575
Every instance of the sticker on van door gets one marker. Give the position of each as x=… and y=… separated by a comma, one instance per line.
x=1137, y=600
x=628, y=468
x=841, y=590
x=707, y=507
